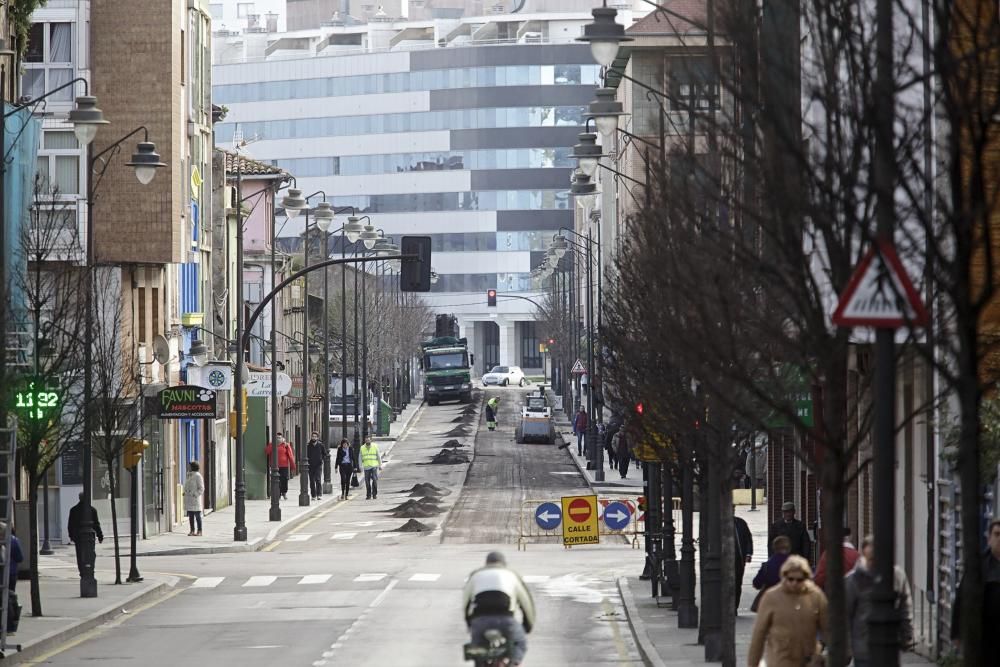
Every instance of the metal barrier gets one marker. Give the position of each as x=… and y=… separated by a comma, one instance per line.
x=529, y=530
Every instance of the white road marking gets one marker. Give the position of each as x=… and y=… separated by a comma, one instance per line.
x=382, y=536
x=425, y=576
x=315, y=579
x=381, y=596
x=343, y=536
x=535, y=578
x=207, y=582
x=298, y=537
x=260, y=581
x=371, y=576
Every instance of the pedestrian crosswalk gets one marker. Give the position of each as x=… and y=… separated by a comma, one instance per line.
x=320, y=579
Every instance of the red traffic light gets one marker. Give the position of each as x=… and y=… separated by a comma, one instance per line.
x=552, y=341
x=638, y=408
x=491, y=298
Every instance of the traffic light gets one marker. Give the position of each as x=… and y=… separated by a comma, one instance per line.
x=132, y=452
x=415, y=274
x=638, y=409
x=491, y=298
x=643, y=505
x=232, y=417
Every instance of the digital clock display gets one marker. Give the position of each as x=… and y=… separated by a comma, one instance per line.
x=36, y=403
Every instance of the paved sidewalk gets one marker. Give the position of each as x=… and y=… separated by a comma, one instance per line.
x=67, y=615
x=217, y=530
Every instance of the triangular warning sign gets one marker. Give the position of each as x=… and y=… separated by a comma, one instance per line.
x=880, y=294
x=578, y=368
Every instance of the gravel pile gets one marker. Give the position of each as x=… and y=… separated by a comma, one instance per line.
x=449, y=457
x=418, y=511
x=413, y=526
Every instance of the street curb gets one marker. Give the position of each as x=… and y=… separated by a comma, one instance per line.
x=650, y=657
x=576, y=462
x=46, y=643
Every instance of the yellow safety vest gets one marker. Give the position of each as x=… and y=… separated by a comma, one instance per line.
x=369, y=456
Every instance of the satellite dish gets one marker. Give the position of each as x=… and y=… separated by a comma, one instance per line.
x=161, y=349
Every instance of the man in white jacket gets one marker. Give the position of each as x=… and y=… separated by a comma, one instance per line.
x=493, y=595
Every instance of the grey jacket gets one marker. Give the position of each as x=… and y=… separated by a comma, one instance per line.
x=859, y=584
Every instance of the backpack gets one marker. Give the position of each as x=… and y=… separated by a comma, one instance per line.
x=615, y=440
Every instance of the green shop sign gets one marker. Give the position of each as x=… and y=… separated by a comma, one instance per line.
x=186, y=402
x=796, y=390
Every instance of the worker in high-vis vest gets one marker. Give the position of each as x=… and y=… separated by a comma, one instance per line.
x=371, y=463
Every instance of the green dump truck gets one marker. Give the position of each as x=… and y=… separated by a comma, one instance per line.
x=446, y=364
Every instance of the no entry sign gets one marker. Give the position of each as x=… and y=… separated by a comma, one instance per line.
x=580, y=520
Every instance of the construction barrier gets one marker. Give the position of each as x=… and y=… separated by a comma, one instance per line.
x=531, y=531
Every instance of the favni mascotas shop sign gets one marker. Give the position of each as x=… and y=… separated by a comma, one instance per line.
x=186, y=402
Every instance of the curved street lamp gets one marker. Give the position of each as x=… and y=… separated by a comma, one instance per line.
x=370, y=236
x=605, y=110
x=145, y=161
x=353, y=229
x=587, y=153
x=604, y=34
x=86, y=119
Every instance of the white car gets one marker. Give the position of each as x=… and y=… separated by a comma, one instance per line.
x=503, y=376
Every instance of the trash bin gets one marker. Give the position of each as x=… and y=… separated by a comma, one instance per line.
x=384, y=418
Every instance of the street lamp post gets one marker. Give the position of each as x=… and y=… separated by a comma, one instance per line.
x=323, y=216
x=145, y=161
x=292, y=203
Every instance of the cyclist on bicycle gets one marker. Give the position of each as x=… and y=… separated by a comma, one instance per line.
x=493, y=595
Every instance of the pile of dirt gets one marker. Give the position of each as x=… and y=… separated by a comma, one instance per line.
x=458, y=432
x=413, y=526
x=418, y=512
x=426, y=489
x=427, y=501
x=433, y=495
x=449, y=457
x=452, y=443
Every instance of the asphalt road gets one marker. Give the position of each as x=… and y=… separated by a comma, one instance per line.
x=347, y=587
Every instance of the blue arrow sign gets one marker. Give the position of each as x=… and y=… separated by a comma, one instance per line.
x=617, y=516
x=548, y=516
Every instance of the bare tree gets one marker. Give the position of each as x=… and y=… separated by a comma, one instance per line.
x=49, y=295
x=116, y=391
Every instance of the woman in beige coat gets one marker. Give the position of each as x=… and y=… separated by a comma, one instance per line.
x=194, y=489
x=790, y=618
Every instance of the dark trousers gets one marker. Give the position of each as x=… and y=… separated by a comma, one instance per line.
x=283, y=472
x=371, y=482
x=79, y=557
x=623, y=461
x=612, y=459
x=193, y=518
x=316, y=480
x=508, y=625
x=741, y=567
x=346, y=470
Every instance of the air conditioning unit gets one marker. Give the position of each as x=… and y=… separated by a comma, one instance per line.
x=230, y=197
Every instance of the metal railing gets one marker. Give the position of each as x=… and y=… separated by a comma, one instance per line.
x=530, y=532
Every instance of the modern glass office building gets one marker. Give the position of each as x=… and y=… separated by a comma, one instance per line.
x=460, y=129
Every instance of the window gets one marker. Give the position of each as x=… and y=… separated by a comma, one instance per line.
x=58, y=165
x=49, y=61
x=244, y=9
x=216, y=11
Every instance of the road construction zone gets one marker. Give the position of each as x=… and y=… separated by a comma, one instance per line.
x=579, y=520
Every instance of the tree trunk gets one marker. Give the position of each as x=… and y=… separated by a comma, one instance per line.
x=834, y=494
x=113, y=484
x=971, y=602
x=727, y=559
x=36, y=594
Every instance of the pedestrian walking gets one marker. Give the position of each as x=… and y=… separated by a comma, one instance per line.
x=850, y=556
x=769, y=573
x=991, y=596
x=194, y=492
x=622, y=452
x=286, y=462
x=316, y=455
x=743, y=551
x=75, y=525
x=371, y=463
x=614, y=425
x=858, y=587
x=580, y=429
x=345, y=465
x=794, y=530
x=491, y=413
x=790, y=618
